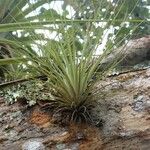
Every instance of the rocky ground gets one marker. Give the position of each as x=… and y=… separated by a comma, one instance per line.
x=122, y=117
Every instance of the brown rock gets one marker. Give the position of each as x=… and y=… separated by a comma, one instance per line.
x=3, y=138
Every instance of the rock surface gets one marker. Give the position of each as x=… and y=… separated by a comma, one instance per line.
x=125, y=103
x=135, y=51
x=33, y=144
x=122, y=114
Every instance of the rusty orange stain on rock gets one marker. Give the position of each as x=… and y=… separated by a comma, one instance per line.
x=40, y=118
x=92, y=139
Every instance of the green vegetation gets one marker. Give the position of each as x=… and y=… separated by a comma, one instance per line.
x=69, y=59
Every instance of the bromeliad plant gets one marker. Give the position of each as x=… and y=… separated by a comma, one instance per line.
x=71, y=69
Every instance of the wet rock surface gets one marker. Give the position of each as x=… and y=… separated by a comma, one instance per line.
x=122, y=115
